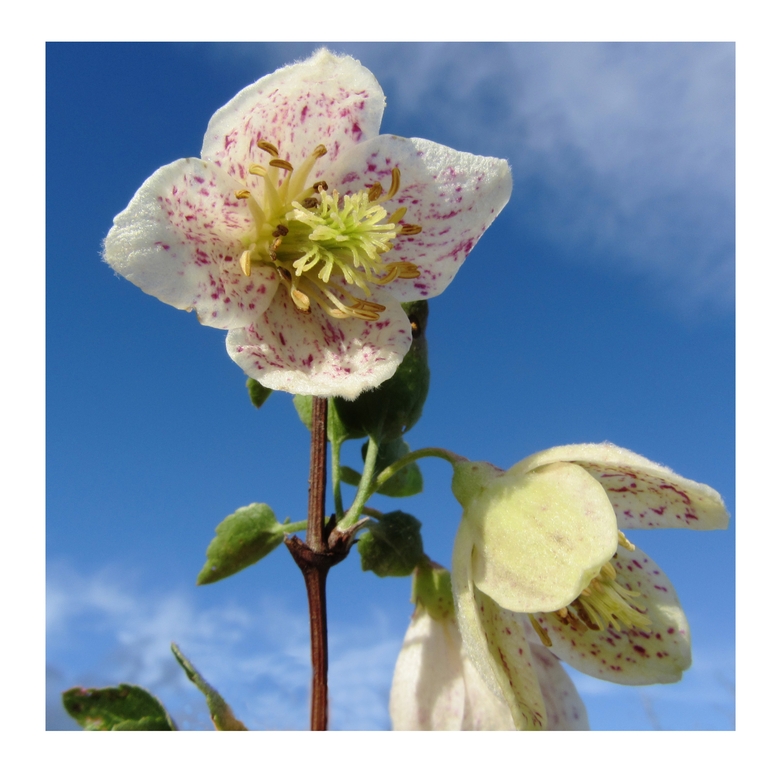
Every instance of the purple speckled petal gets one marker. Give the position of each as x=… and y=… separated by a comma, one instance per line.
x=454, y=196
x=643, y=493
x=313, y=354
x=327, y=99
x=494, y=641
x=178, y=240
x=658, y=654
x=565, y=711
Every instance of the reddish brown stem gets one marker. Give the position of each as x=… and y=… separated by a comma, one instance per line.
x=314, y=560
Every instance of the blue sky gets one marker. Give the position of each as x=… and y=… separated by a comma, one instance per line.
x=599, y=306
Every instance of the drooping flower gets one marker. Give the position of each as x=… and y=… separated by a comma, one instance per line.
x=437, y=688
x=540, y=554
x=302, y=229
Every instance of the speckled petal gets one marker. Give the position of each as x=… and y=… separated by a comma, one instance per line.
x=428, y=691
x=658, y=654
x=539, y=538
x=494, y=642
x=327, y=99
x=454, y=196
x=178, y=240
x=309, y=353
x=643, y=494
x=565, y=711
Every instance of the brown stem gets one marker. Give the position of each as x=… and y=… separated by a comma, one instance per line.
x=314, y=560
x=325, y=547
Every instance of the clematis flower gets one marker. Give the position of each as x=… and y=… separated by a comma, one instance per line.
x=540, y=555
x=436, y=687
x=301, y=229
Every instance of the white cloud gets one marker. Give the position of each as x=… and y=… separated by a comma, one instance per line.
x=103, y=629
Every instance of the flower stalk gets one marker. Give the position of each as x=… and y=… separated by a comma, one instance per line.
x=314, y=558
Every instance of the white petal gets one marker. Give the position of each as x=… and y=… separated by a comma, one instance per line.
x=454, y=196
x=309, y=353
x=327, y=99
x=643, y=493
x=565, y=711
x=178, y=240
x=428, y=691
x=656, y=654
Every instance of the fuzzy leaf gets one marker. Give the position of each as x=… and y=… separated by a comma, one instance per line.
x=392, y=545
x=407, y=481
x=125, y=708
x=241, y=539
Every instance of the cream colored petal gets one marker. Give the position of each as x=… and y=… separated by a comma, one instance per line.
x=657, y=654
x=643, y=493
x=565, y=711
x=428, y=691
x=511, y=662
x=539, y=538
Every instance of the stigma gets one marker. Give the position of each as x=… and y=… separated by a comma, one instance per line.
x=325, y=248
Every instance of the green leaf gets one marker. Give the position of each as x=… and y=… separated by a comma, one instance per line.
x=392, y=545
x=258, y=392
x=393, y=408
x=126, y=708
x=350, y=476
x=241, y=539
x=220, y=712
x=407, y=481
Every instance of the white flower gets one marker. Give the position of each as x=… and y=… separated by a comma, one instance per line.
x=437, y=688
x=540, y=545
x=302, y=229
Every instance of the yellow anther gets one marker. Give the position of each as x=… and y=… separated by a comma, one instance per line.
x=375, y=192
x=540, y=631
x=257, y=170
x=242, y=194
x=301, y=300
x=410, y=229
x=284, y=164
x=267, y=147
x=397, y=215
x=244, y=262
x=625, y=542
x=395, y=183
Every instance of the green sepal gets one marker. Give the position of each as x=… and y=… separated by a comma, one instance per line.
x=241, y=539
x=391, y=545
x=220, y=712
x=336, y=429
x=432, y=589
x=394, y=407
x=125, y=708
x=258, y=392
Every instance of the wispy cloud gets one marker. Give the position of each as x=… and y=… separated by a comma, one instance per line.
x=622, y=153
x=103, y=629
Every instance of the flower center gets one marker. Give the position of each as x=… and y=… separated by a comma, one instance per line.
x=603, y=603
x=309, y=236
